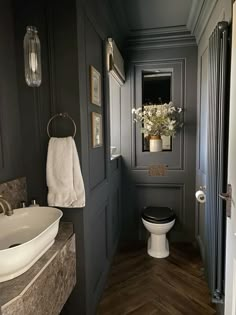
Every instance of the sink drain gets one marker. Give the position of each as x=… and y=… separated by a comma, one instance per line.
x=14, y=245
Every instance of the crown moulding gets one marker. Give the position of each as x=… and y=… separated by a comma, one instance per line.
x=161, y=38
x=176, y=36
x=204, y=15
x=194, y=14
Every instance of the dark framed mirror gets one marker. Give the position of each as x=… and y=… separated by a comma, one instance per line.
x=156, y=89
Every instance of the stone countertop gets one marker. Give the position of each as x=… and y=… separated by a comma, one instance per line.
x=11, y=289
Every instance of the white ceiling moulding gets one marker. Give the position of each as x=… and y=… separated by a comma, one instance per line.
x=203, y=18
x=159, y=31
x=194, y=14
x=162, y=38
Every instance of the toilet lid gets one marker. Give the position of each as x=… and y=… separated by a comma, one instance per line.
x=158, y=214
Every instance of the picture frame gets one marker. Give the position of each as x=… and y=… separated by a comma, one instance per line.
x=95, y=86
x=97, y=133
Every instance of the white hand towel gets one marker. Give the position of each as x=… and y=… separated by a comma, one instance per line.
x=64, y=178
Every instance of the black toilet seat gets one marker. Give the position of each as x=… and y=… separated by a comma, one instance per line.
x=159, y=215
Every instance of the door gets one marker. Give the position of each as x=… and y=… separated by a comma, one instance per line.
x=201, y=171
x=230, y=277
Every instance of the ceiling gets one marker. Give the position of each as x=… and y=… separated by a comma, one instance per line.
x=158, y=17
x=153, y=14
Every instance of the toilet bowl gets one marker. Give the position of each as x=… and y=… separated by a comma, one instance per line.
x=158, y=221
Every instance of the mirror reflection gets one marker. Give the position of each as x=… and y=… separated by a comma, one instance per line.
x=156, y=89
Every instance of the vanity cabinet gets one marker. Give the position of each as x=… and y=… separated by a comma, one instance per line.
x=46, y=286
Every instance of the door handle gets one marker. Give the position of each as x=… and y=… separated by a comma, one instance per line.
x=225, y=196
x=228, y=198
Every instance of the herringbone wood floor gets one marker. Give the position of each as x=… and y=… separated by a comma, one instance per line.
x=141, y=285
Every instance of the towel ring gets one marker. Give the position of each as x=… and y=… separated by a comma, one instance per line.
x=62, y=115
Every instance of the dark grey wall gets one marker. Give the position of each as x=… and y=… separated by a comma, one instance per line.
x=175, y=190
x=34, y=102
x=72, y=36
x=11, y=165
x=102, y=177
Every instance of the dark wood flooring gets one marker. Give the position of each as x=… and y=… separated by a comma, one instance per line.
x=141, y=285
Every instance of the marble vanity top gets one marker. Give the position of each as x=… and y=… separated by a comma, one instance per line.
x=11, y=290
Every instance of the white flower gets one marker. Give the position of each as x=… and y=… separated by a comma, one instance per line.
x=158, y=113
x=172, y=109
x=161, y=119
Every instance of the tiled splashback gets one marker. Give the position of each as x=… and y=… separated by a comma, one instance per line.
x=14, y=191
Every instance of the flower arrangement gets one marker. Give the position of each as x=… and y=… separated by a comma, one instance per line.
x=158, y=120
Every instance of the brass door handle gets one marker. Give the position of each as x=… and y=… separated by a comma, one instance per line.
x=228, y=198
x=225, y=196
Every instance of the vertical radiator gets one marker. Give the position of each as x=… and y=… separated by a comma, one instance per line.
x=215, y=212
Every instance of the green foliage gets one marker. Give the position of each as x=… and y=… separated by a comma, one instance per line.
x=160, y=120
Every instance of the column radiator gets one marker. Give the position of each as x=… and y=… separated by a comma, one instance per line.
x=216, y=157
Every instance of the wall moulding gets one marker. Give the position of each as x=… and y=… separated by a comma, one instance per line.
x=99, y=244
x=161, y=39
x=194, y=14
x=203, y=18
x=175, y=158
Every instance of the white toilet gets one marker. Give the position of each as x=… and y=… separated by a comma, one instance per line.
x=158, y=221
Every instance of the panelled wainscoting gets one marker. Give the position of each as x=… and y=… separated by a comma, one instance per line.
x=176, y=189
x=72, y=38
x=11, y=165
x=139, y=284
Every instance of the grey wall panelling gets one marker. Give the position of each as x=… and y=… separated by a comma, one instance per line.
x=175, y=158
x=177, y=188
x=102, y=183
x=11, y=165
x=72, y=37
x=34, y=102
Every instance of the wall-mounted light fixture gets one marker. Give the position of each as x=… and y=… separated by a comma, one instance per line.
x=32, y=57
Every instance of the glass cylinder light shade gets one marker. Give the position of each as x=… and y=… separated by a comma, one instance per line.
x=32, y=56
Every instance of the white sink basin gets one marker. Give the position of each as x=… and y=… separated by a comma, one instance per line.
x=25, y=237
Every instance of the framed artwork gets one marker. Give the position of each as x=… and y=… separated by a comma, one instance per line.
x=96, y=130
x=95, y=86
